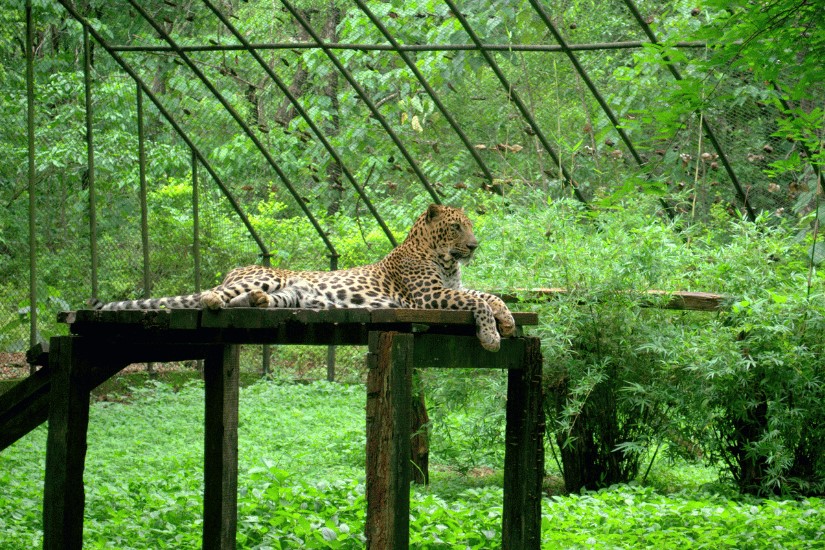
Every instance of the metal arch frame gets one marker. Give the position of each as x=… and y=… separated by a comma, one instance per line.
x=515, y=98
x=426, y=85
x=244, y=126
x=622, y=45
x=401, y=50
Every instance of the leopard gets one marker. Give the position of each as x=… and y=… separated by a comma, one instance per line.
x=423, y=272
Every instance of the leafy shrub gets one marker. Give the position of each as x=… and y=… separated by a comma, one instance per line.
x=753, y=385
x=737, y=389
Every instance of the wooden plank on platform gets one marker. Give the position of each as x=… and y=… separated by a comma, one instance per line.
x=440, y=316
x=220, y=470
x=662, y=299
x=336, y=315
x=389, y=402
x=184, y=319
x=424, y=316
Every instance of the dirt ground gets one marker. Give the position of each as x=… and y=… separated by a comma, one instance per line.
x=13, y=366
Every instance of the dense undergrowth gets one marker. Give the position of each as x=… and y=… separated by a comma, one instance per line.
x=301, y=485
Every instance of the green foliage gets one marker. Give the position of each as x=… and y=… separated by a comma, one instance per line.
x=301, y=486
x=757, y=405
x=635, y=517
x=466, y=410
x=762, y=65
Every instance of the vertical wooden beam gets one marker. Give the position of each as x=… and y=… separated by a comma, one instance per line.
x=63, y=495
x=524, y=453
x=220, y=470
x=389, y=388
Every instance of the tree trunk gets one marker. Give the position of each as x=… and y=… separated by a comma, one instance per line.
x=420, y=443
x=286, y=112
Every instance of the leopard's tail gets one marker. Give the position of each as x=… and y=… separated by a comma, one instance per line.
x=187, y=301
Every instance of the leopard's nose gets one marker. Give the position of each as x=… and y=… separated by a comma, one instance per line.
x=472, y=245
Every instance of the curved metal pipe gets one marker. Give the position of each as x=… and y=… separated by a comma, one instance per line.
x=705, y=125
x=423, y=81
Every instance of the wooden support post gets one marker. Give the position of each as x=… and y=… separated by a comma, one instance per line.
x=220, y=470
x=524, y=453
x=63, y=495
x=389, y=387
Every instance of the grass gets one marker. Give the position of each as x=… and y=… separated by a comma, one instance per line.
x=301, y=461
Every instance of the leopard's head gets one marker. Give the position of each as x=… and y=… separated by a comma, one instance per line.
x=447, y=231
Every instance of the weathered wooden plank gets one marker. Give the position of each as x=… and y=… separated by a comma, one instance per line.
x=133, y=322
x=220, y=470
x=389, y=387
x=465, y=352
x=184, y=319
x=682, y=300
x=440, y=316
x=690, y=301
x=435, y=316
x=524, y=453
x=63, y=495
x=224, y=318
x=341, y=316
x=526, y=318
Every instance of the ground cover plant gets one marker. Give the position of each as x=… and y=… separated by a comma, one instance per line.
x=301, y=486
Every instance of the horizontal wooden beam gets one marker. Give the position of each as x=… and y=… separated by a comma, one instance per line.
x=250, y=319
x=464, y=352
x=662, y=299
x=24, y=407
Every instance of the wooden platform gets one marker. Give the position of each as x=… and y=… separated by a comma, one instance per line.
x=102, y=343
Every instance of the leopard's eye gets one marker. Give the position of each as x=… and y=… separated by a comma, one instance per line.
x=457, y=226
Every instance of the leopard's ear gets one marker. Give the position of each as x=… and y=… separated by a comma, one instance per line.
x=433, y=211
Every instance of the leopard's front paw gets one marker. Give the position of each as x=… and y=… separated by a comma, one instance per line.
x=506, y=324
x=258, y=298
x=211, y=300
x=490, y=339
